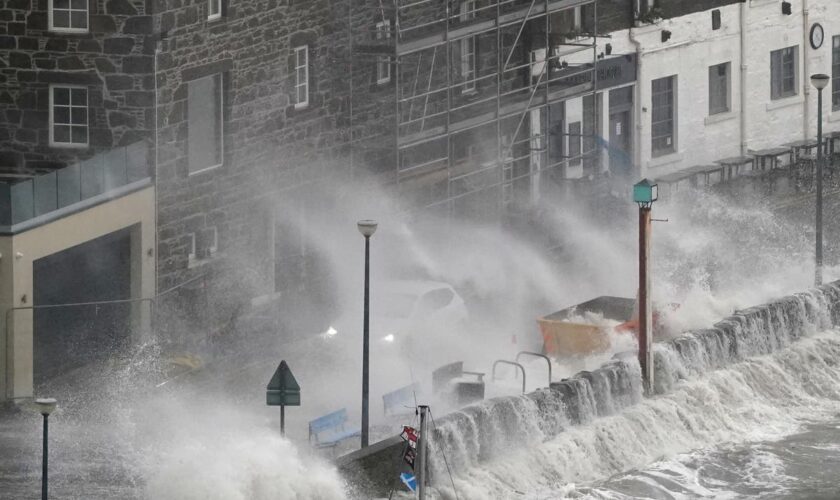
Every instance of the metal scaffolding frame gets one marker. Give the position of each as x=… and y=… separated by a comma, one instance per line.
x=430, y=107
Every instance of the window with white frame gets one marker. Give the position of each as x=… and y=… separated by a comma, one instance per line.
x=205, y=123
x=783, y=74
x=835, y=73
x=468, y=64
x=301, y=97
x=467, y=10
x=719, y=88
x=68, y=15
x=468, y=72
x=204, y=244
x=68, y=116
x=538, y=67
x=663, y=115
x=575, y=145
x=568, y=22
x=383, y=63
x=214, y=9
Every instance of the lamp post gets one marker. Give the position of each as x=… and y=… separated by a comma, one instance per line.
x=819, y=81
x=367, y=228
x=45, y=406
x=645, y=193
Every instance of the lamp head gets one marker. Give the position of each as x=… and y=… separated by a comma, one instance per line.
x=367, y=227
x=645, y=192
x=45, y=406
x=820, y=81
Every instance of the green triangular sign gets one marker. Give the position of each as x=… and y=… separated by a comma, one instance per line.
x=283, y=389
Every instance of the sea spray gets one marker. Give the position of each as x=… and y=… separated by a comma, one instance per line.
x=749, y=377
x=234, y=465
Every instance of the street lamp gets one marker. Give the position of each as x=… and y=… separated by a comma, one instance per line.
x=645, y=193
x=819, y=81
x=45, y=406
x=367, y=228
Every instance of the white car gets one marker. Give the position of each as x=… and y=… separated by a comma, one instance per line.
x=403, y=308
x=408, y=307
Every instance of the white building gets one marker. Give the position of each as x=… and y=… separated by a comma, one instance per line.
x=721, y=83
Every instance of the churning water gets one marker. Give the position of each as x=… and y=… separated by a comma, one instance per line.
x=748, y=408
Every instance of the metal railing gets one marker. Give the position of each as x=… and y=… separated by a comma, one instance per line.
x=505, y=362
x=538, y=355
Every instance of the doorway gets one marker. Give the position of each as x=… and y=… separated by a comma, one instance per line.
x=66, y=338
x=621, y=132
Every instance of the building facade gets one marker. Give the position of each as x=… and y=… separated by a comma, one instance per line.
x=223, y=119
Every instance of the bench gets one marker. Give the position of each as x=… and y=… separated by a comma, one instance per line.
x=330, y=429
x=448, y=379
x=400, y=402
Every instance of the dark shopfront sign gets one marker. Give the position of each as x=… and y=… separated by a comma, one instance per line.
x=611, y=72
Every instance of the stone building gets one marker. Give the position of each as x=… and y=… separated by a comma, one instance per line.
x=222, y=118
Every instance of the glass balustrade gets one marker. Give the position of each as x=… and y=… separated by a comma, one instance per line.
x=102, y=173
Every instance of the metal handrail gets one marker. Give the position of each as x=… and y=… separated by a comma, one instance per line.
x=543, y=356
x=505, y=362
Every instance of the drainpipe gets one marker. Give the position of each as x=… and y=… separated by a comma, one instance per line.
x=637, y=97
x=806, y=70
x=158, y=43
x=743, y=36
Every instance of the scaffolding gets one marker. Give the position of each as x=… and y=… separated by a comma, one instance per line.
x=474, y=85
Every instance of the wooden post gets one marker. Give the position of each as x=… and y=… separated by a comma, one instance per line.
x=645, y=317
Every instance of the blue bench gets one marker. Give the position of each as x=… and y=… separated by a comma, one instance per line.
x=329, y=430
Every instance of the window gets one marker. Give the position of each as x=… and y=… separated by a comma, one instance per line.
x=719, y=88
x=383, y=63
x=835, y=73
x=663, y=115
x=204, y=244
x=68, y=116
x=301, y=77
x=214, y=9
x=783, y=76
x=568, y=22
x=468, y=63
x=468, y=48
x=204, y=122
x=538, y=67
x=716, y=19
x=574, y=143
x=467, y=12
x=68, y=15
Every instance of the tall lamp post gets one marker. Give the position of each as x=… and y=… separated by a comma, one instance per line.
x=367, y=228
x=819, y=81
x=645, y=193
x=45, y=406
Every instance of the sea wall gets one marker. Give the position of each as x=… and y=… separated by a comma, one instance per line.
x=475, y=433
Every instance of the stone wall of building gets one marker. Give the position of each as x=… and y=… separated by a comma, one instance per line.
x=271, y=149
x=114, y=60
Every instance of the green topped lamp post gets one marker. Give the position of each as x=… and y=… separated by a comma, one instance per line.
x=819, y=81
x=645, y=192
x=45, y=406
x=367, y=228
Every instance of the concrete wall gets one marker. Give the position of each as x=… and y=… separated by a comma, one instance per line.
x=135, y=210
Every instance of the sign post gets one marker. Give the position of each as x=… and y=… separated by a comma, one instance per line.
x=282, y=390
x=645, y=192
